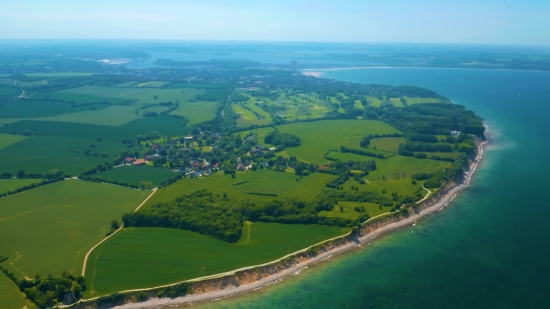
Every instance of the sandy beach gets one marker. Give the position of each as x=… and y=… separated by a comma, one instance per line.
x=232, y=291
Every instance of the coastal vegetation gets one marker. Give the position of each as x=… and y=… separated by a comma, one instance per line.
x=250, y=163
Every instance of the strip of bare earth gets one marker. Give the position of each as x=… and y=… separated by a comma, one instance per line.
x=252, y=278
x=113, y=233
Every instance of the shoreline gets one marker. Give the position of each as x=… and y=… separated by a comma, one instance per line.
x=226, y=287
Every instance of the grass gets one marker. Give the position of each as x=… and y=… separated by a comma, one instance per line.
x=248, y=118
x=40, y=108
x=138, y=95
x=411, y=101
x=256, y=181
x=146, y=257
x=196, y=112
x=395, y=165
x=136, y=174
x=348, y=212
x=11, y=297
x=320, y=136
x=390, y=144
x=41, y=154
x=8, y=139
x=50, y=228
x=14, y=183
x=114, y=115
x=400, y=186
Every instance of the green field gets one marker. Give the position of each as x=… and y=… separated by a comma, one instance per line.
x=41, y=154
x=390, y=144
x=138, y=95
x=399, y=186
x=50, y=228
x=62, y=145
x=348, y=212
x=8, y=139
x=114, y=115
x=260, y=181
x=395, y=164
x=11, y=297
x=136, y=174
x=39, y=108
x=422, y=100
x=147, y=257
x=196, y=112
x=320, y=136
x=14, y=183
x=248, y=118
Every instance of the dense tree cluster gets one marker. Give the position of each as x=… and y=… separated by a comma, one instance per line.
x=49, y=291
x=429, y=118
x=282, y=140
x=344, y=149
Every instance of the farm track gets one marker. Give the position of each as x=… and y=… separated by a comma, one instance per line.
x=104, y=239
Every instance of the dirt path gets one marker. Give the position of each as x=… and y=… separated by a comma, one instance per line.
x=425, y=196
x=104, y=239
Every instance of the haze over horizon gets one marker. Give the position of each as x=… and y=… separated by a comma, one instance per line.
x=471, y=22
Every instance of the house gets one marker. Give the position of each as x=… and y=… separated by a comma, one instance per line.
x=240, y=167
x=323, y=168
x=152, y=157
x=261, y=147
x=68, y=299
x=206, y=167
x=455, y=133
x=139, y=162
x=155, y=146
x=129, y=160
x=215, y=165
x=256, y=151
x=272, y=148
x=188, y=138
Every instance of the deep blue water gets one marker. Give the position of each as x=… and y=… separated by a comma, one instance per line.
x=489, y=249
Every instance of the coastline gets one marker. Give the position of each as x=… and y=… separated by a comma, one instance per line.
x=253, y=278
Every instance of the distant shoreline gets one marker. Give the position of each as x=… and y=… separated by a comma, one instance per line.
x=320, y=72
x=239, y=284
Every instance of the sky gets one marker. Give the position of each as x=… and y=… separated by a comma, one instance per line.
x=525, y=22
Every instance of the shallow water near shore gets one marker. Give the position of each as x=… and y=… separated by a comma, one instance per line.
x=488, y=249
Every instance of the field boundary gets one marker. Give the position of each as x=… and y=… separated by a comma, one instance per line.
x=83, y=272
x=227, y=273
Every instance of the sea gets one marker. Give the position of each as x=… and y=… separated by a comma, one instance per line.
x=489, y=248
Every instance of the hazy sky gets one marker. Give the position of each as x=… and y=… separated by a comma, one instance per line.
x=441, y=21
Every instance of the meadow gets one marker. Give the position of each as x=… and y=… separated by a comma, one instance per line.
x=247, y=117
x=40, y=108
x=14, y=183
x=8, y=139
x=147, y=257
x=196, y=112
x=136, y=174
x=42, y=154
x=50, y=228
x=114, y=115
x=260, y=181
x=348, y=211
x=133, y=94
x=390, y=144
x=11, y=297
x=320, y=136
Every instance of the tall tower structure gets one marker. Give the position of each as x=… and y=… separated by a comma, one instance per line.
x=293, y=65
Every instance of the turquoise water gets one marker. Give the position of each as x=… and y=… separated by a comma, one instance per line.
x=489, y=249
